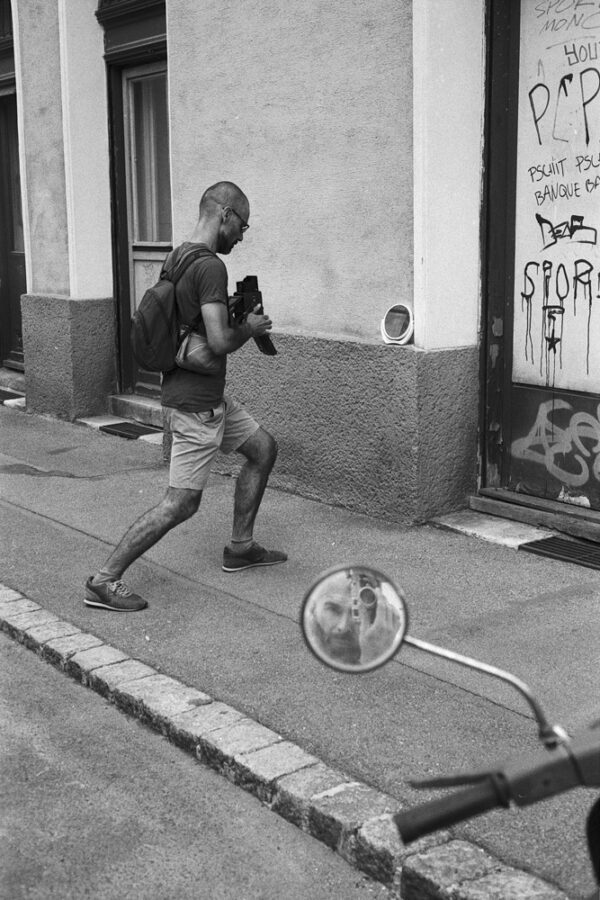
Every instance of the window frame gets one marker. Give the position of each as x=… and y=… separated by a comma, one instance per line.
x=130, y=77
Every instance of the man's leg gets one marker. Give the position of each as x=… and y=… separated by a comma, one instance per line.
x=106, y=589
x=177, y=505
x=260, y=452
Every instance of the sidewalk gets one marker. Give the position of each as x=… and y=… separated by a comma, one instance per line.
x=69, y=492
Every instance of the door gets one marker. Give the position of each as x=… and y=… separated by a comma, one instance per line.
x=143, y=220
x=12, y=255
x=542, y=416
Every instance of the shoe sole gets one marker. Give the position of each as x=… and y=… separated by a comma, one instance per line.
x=253, y=565
x=99, y=605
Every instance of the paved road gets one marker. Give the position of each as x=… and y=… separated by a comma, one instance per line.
x=96, y=806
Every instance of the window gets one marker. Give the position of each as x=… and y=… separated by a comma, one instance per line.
x=147, y=137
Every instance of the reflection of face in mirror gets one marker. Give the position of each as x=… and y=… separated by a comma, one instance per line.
x=353, y=618
x=333, y=623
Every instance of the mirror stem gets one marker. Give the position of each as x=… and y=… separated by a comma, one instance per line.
x=550, y=735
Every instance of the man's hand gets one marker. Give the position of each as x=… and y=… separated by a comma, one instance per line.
x=224, y=337
x=259, y=322
x=376, y=638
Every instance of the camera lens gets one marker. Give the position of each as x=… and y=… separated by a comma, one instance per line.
x=368, y=597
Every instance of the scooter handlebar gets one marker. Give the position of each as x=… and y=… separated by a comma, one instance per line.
x=525, y=780
x=446, y=811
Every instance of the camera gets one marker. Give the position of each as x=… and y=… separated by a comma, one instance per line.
x=245, y=300
x=368, y=597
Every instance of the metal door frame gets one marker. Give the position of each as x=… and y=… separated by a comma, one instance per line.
x=11, y=355
x=498, y=237
x=500, y=398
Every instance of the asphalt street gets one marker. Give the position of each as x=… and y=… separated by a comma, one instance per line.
x=96, y=806
x=67, y=495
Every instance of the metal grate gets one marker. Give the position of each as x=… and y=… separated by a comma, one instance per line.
x=582, y=553
x=130, y=430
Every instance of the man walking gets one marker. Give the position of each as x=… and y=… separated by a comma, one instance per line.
x=201, y=417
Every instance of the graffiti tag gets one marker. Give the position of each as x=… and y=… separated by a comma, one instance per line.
x=556, y=284
x=574, y=231
x=550, y=445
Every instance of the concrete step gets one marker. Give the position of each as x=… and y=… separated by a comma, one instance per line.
x=12, y=388
x=12, y=380
x=138, y=408
x=539, y=513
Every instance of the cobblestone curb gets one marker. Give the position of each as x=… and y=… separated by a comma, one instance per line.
x=355, y=820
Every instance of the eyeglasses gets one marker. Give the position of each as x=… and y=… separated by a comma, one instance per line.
x=245, y=225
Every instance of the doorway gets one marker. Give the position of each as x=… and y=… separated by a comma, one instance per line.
x=142, y=191
x=542, y=365
x=12, y=249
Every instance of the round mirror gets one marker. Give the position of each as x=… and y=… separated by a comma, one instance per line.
x=397, y=325
x=353, y=618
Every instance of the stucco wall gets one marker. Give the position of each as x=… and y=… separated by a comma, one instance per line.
x=38, y=74
x=85, y=129
x=70, y=361
x=448, y=386
x=449, y=38
x=388, y=431
x=309, y=108
x=69, y=344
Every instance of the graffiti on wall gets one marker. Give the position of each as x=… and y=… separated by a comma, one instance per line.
x=555, y=284
x=556, y=329
x=563, y=112
x=571, y=452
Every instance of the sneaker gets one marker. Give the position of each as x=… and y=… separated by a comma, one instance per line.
x=114, y=595
x=254, y=556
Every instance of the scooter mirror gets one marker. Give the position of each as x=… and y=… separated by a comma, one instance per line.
x=354, y=619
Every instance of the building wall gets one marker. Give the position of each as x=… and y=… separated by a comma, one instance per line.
x=68, y=311
x=309, y=108
x=363, y=426
x=39, y=99
x=357, y=132
x=449, y=100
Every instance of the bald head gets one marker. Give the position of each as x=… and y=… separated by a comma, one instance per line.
x=223, y=193
x=223, y=217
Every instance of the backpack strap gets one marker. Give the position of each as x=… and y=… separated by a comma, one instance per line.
x=177, y=271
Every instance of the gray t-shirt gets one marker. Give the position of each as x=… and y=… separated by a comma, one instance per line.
x=205, y=281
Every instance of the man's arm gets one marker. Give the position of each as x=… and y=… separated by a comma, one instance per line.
x=224, y=338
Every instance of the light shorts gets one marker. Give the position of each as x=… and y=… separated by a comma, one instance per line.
x=198, y=436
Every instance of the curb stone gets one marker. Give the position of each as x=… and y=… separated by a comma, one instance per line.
x=355, y=820
x=461, y=871
x=59, y=650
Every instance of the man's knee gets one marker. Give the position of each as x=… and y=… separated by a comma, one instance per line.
x=181, y=503
x=271, y=449
x=261, y=449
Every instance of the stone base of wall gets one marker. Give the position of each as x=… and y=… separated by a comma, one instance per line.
x=384, y=430
x=69, y=349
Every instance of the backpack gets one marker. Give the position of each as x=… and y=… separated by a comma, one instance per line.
x=154, y=326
